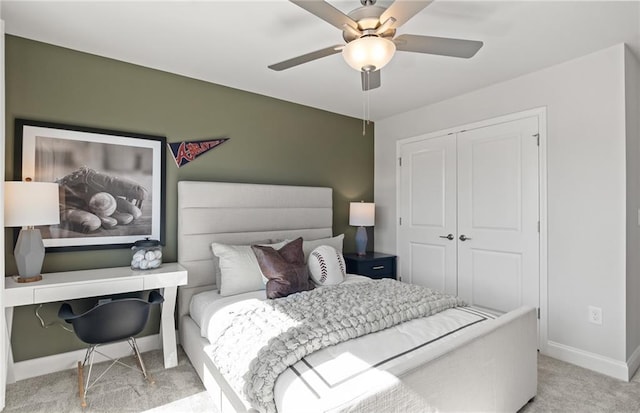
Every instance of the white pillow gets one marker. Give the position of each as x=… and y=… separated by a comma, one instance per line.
x=239, y=269
x=326, y=266
x=335, y=242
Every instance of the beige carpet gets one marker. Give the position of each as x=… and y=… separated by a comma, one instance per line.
x=121, y=390
x=562, y=388
x=565, y=388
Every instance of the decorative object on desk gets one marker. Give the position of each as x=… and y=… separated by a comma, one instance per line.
x=29, y=204
x=361, y=214
x=186, y=151
x=112, y=183
x=147, y=254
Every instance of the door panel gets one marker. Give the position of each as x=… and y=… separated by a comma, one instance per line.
x=495, y=175
x=427, y=188
x=428, y=211
x=497, y=283
x=428, y=265
x=498, y=267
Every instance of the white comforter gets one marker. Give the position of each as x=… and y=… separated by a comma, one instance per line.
x=340, y=374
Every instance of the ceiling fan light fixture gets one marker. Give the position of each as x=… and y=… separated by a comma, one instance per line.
x=368, y=52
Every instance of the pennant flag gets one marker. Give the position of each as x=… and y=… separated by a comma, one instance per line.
x=186, y=151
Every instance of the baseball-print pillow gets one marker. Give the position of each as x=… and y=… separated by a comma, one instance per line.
x=326, y=266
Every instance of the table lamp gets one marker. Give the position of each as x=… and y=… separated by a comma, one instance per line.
x=361, y=215
x=27, y=204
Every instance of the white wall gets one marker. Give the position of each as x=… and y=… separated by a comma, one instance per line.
x=632, y=122
x=585, y=103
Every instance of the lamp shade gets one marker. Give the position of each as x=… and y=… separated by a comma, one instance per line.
x=368, y=53
x=31, y=204
x=362, y=214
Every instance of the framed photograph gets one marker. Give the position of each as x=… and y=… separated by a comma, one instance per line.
x=111, y=183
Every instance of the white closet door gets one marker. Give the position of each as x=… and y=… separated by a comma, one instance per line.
x=428, y=213
x=498, y=263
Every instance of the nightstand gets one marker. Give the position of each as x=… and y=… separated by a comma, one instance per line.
x=372, y=264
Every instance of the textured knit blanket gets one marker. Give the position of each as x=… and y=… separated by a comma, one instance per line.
x=258, y=340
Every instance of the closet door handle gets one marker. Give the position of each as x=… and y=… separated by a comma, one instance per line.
x=449, y=237
x=464, y=238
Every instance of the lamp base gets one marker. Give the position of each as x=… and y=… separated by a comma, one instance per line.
x=361, y=241
x=21, y=280
x=29, y=253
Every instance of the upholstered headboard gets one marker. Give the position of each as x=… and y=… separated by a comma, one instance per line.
x=233, y=213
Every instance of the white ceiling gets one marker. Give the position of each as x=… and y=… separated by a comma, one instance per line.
x=232, y=42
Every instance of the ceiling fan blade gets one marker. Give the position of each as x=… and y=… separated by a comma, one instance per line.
x=403, y=10
x=370, y=80
x=326, y=12
x=318, y=54
x=443, y=46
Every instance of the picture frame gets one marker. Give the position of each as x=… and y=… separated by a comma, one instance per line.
x=111, y=183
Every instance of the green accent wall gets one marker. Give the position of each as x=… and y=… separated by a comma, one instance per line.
x=271, y=142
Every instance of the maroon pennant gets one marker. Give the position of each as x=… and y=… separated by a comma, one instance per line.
x=186, y=151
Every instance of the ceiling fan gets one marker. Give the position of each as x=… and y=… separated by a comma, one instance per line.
x=369, y=34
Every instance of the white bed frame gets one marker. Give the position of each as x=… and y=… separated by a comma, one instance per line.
x=493, y=368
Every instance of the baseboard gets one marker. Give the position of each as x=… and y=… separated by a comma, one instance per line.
x=633, y=362
x=592, y=361
x=64, y=361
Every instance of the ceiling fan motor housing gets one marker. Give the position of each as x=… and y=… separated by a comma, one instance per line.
x=368, y=18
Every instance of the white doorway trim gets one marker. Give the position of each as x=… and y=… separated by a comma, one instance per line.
x=541, y=114
x=3, y=327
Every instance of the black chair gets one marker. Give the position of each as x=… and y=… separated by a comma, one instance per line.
x=110, y=321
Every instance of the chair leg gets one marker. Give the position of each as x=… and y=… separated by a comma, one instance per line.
x=83, y=386
x=83, y=402
x=91, y=353
x=134, y=345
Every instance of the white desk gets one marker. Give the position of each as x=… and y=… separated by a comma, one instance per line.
x=71, y=285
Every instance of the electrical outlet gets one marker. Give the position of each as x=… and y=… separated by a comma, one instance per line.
x=595, y=315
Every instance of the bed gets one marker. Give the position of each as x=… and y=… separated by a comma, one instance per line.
x=489, y=365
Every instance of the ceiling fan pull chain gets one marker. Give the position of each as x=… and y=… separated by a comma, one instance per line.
x=365, y=103
x=363, y=115
x=368, y=100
